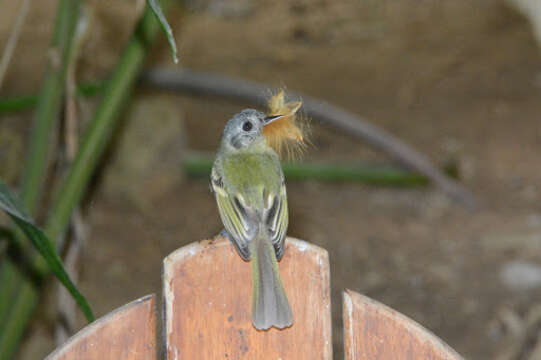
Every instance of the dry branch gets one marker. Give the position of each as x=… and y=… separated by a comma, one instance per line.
x=205, y=84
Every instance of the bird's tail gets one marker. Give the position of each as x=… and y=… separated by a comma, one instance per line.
x=270, y=305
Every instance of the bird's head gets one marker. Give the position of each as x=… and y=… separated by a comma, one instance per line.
x=245, y=129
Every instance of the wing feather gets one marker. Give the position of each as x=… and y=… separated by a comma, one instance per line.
x=277, y=221
x=235, y=217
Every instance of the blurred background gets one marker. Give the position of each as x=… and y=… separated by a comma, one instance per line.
x=458, y=80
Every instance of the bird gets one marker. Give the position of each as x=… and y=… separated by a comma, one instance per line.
x=249, y=188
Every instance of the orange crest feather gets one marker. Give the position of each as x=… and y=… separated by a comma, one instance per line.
x=287, y=134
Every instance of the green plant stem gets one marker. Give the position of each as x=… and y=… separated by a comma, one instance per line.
x=92, y=146
x=48, y=106
x=197, y=164
x=47, y=113
x=101, y=128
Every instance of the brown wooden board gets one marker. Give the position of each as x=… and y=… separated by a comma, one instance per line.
x=207, y=294
x=375, y=331
x=128, y=333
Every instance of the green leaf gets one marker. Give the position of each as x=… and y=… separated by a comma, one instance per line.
x=11, y=205
x=156, y=9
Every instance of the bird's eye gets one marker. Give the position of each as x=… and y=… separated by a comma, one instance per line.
x=247, y=126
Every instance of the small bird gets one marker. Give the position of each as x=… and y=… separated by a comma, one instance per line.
x=248, y=183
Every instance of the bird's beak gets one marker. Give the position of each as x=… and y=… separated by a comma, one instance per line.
x=270, y=119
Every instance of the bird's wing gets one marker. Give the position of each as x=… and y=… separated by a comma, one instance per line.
x=236, y=216
x=277, y=220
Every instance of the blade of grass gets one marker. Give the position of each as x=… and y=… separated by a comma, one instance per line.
x=93, y=144
x=9, y=204
x=47, y=250
x=156, y=9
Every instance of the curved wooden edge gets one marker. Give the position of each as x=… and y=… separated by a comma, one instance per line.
x=375, y=331
x=207, y=301
x=127, y=333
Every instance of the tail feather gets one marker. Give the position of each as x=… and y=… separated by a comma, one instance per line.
x=270, y=305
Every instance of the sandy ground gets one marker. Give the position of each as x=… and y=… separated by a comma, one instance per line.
x=456, y=79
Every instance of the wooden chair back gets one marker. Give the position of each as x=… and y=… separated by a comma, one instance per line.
x=207, y=315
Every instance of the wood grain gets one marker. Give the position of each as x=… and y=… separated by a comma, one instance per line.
x=207, y=293
x=128, y=333
x=375, y=331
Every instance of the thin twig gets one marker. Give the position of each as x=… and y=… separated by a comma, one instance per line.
x=13, y=39
x=67, y=308
x=205, y=84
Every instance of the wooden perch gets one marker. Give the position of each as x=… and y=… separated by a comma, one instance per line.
x=221, y=296
x=128, y=333
x=207, y=315
x=375, y=331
